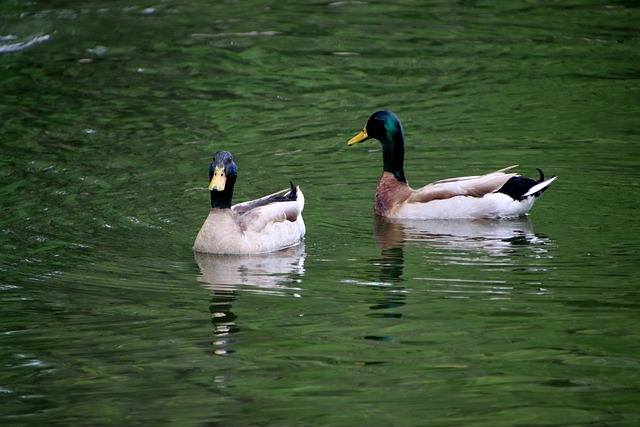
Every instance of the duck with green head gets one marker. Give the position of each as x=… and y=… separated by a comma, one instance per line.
x=494, y=195
x=263, y=225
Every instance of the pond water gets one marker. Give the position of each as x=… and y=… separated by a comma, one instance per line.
x=110, y=112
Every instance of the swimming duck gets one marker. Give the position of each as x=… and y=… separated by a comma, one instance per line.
x=494, y=195
x=263, y=225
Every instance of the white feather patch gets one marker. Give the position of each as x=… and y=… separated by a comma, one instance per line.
x=494, y=205
x=540, y=186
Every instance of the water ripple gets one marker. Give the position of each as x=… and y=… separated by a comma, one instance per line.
x=12, y=45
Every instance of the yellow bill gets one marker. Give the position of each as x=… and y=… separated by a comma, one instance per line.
x=218, y=180
x=362, y=136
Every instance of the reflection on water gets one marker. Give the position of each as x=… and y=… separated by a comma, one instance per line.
x=276, y=273
x=265, y=273
x=491, y=236
x=500, y=245
x=476, y=242
x=429, y=262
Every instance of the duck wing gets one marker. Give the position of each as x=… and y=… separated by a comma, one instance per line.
x=255, y=215
x=472, y=186
x=252, y=204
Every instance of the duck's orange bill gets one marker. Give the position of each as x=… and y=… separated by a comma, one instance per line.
x=362, y=136
x=218, y=180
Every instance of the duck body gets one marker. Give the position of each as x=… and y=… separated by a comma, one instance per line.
x=263, y=225
x=498, y=194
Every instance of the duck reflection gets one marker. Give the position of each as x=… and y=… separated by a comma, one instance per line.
x=392, y=294
x=226, y=276
x=492, y=236
x=488, y=237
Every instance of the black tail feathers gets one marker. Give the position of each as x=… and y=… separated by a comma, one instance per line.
x=289, y=196
x=518, y=186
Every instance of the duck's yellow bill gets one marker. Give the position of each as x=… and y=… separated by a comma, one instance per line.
x=362, y=136
x=218, y=180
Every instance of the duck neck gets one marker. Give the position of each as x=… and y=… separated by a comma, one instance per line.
x=393, y=155
x=222, y=199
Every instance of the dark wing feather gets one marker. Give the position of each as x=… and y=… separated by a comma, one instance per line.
x=290, y=196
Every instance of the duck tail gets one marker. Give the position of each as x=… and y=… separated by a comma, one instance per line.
x=293, y=192
x=540, y=187
x=289, y=196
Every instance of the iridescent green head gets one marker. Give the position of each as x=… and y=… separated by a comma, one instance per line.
x=386, y=127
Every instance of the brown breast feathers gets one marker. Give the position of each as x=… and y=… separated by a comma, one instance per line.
x=389, y=194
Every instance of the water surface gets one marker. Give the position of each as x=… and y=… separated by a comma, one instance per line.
x=111, y=111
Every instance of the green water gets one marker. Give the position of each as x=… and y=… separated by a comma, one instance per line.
x=111, y=111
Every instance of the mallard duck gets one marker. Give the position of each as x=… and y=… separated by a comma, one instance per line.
x=494, y=195
x=263, y=225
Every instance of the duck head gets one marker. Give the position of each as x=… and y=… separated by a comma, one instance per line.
x=386, y=127
x=223, y=173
